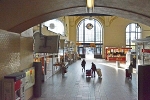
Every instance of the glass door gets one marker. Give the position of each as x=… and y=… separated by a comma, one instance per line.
x=98, y=51
x=89, y=52
x=81, y=52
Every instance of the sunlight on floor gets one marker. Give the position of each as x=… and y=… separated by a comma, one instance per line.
x=113, y=64
x=89, y=56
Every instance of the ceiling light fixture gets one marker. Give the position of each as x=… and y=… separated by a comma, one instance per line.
x=90, y=6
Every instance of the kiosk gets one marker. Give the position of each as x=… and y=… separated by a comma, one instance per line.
x=116, y=54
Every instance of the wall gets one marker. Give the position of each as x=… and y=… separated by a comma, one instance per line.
x=72, y=30
x=16, y=55
x=67, y=26
x=10, y=54
x=26, y=59
x=145, y=30
x=114, y=34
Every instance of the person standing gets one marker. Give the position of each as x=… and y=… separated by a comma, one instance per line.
x=83, y=65
x=93, y=69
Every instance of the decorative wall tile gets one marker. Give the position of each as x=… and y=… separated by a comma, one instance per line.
x=10, y=53
x=16, y=54
x=26, y=52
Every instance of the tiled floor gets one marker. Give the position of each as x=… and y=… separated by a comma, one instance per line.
x=74, y=85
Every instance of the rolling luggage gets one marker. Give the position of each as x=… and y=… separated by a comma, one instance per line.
x=88, y=73
x=128, y=75
x=99, y=73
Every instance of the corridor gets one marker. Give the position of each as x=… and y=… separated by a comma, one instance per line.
x=75, y=86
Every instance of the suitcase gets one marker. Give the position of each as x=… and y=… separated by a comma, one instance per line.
x=99, y=73
x=88, y=73
x=128, y=75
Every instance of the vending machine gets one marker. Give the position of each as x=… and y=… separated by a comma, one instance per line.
x=13, y=86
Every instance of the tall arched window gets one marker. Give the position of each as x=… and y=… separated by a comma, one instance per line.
x=89, y=31
x=55, y=25
x=133, y=31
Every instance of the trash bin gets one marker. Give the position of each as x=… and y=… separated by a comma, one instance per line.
x=117, y=63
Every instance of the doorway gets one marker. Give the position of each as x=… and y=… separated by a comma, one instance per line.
x=85, y=50
x=89, y=52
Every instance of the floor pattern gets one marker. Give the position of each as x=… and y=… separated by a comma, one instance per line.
x=74, y=85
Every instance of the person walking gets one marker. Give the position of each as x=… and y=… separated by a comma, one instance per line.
x=83, y=65
x=93, y=69
x=63, y=67
x=130, y=70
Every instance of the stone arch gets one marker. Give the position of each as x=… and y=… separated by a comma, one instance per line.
x=24, y=14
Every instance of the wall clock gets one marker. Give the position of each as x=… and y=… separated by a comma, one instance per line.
x=52, y=25
x=89, y=26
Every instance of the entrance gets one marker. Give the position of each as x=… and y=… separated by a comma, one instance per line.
x=89, y=52
x=85, y=50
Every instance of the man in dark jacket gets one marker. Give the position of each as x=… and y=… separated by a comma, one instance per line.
x=83, y=65
x=93, y=68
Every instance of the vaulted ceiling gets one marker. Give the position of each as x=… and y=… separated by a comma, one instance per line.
x=19, y=15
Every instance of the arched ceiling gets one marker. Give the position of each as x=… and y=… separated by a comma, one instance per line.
x=19, y=15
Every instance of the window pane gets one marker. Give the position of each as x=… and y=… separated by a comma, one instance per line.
x=127, y=38
x=87, y=35
x=80, y=36
x=133, y=31
x=132, y=27
x=127, y=29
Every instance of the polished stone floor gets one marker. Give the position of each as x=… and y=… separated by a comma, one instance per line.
x=74, y=85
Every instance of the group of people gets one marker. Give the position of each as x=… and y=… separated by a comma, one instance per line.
x=93, y=67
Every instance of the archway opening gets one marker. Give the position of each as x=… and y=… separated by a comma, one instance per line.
x=90, y=36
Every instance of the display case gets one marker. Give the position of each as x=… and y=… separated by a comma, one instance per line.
x=143, y=50
x=116, y=54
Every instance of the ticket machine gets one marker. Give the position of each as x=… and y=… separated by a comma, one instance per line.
x=13, y=86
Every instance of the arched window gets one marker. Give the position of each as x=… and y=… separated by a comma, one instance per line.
x=55, y=25
x=133, y=31
x=89, y=31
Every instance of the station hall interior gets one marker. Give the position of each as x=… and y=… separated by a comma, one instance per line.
x=37, y=35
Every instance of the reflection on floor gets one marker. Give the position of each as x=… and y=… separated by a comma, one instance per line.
x=74, y=85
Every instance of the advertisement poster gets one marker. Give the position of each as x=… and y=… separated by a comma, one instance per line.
x=30, y=77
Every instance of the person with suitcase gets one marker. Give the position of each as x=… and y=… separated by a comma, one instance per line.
x=130, y=70
x=83, y=65
x=93, y=69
